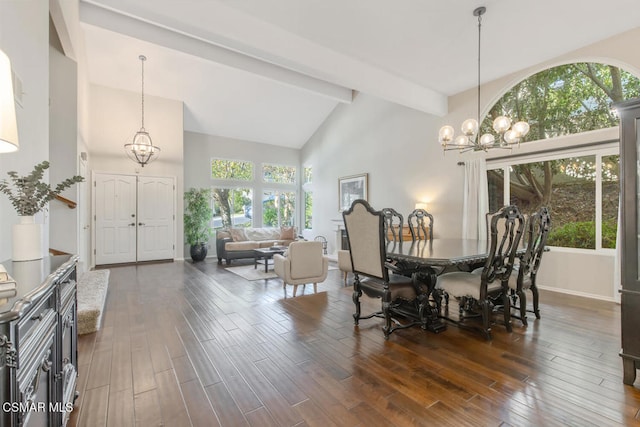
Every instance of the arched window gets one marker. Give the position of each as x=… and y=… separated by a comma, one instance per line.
x=567, y=99
x=580, y=188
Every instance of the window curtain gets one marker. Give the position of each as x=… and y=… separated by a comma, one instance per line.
x=476, y=199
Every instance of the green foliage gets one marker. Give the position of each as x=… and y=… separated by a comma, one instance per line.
x=29, y=194
x=231, y=169
x=574, y=235
x=583, y=235
x=197, y=215
x=568, y=99
x=308, y=210
x=279, y=174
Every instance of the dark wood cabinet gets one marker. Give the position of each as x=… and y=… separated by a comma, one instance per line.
x=38, y=343
x=629, y=113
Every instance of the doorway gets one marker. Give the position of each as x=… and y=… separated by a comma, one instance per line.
x=134, y=218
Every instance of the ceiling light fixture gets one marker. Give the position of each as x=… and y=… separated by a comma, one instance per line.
x=142, y=150
x=507, y=135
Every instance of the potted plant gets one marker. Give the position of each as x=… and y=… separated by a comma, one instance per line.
x=197, y=219
x=29, y=195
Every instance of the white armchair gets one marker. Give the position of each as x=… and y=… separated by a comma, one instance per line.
x=304, y=263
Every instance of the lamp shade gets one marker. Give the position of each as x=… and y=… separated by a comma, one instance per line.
x=8, y=124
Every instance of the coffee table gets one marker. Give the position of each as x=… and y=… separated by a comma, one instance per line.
x=265, y=256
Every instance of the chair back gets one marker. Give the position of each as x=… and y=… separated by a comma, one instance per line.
x=306, y=259
x=420, y=225
x=538, y=226
x=507, y=226
x=392, y=225
x=365, y=233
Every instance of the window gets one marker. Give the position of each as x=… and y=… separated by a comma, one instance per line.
x=232, y=207
x=278, y=208
x=237, y=170
x=307, y=179
x=279, y=174
x=565, y=100
x=308, y=210
x=583, y=202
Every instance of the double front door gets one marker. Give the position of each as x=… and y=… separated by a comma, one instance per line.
x=134, y=218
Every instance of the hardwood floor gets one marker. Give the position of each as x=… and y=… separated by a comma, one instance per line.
x=194, y=345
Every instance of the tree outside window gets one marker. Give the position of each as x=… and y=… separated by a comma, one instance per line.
x=278, y=208
x=559, y=101
x=229, y=202
x=279, y=174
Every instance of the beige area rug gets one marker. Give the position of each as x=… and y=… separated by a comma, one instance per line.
x=248, y=272
x=92, y=293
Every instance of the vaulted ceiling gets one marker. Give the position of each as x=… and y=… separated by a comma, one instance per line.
x=271, y=71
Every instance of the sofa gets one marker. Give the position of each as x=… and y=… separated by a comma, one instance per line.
x=236, y=243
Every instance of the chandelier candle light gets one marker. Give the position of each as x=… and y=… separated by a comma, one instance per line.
x=508, y=135
x=142, y=150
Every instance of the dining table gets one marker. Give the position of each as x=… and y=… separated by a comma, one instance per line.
x=429, y=258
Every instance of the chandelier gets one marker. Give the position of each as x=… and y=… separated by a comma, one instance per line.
x=142, y=150
x=470, y=140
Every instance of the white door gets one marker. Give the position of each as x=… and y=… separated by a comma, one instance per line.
x=155, y=218
x=115, y=218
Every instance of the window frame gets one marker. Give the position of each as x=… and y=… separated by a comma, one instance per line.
x=234, y=180
x=295, y=174
x=597, y=149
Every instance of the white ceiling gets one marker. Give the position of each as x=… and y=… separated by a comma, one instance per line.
x=271, y=71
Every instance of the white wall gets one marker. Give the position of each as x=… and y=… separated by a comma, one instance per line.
x=398, y=147
x=199, y=149
x=393, y=145
x=63, y=130
x=115, y=117
x=24, y=37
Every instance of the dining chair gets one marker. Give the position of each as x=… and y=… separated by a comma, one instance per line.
x=367, y=243
x=523, y=276
x=393, y=225
x=473, y=291
x=420, y=224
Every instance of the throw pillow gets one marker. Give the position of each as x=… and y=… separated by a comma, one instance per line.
x=287, y=233
x=237, y=234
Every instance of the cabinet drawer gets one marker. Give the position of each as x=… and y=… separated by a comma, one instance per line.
x=34, y=320
x=67, y=292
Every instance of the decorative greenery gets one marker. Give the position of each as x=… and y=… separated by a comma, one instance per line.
x=29, y=194
x=197, y=216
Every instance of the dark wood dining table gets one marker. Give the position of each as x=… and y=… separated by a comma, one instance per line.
x=429, y=258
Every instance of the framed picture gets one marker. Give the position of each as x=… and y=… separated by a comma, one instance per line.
x=351, y=188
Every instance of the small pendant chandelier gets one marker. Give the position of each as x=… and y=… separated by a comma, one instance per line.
x=508, y=135
x=142, y=150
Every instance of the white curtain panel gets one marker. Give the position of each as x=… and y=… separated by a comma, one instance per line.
x=476, y=199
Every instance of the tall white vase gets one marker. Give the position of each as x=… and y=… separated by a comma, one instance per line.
x=27, y=240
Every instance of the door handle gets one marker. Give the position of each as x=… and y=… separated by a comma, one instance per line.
x=133, y=224
x=141, y=224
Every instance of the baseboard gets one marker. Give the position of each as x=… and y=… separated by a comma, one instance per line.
x=577, y=293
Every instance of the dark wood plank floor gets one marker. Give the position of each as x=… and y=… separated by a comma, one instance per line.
x=194, y=345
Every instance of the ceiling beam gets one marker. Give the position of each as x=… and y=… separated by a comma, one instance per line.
x=134, y=27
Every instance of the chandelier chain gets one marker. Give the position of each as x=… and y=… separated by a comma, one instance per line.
x=479, y=33
x=142, y=59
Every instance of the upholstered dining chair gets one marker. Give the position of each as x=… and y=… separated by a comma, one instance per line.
x=523, y=276
x=304, y=263
x=367, y=243
x=420, y=225
x=473, y=291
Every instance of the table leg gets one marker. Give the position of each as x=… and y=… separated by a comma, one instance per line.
x=266, y=263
